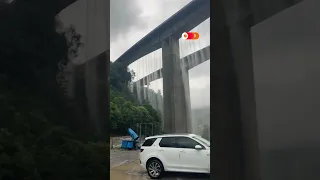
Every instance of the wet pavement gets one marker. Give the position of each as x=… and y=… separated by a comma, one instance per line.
x=119, y=157
x=125, y=166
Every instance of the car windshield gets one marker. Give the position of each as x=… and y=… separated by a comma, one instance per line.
x=204, y=141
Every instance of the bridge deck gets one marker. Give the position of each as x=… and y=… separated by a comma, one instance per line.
x=190, y=62
x=184, y=20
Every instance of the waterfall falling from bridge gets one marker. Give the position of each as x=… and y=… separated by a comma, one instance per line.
x=147, y=84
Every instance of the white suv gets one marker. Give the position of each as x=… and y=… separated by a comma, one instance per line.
x=176, y=153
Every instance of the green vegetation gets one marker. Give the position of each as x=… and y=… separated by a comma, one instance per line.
x=40, y=138
x=125, y=111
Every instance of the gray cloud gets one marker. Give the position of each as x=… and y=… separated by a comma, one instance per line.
x=124, y=16
x=170, y=6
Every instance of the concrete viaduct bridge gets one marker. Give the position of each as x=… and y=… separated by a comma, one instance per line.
x=233, y=123
x=176, y=93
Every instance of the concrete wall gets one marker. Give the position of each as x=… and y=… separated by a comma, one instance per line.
x=287, y=72
x=90, y=89
x=88, y=73
x=91, y=19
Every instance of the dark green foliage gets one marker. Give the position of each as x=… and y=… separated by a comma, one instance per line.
x=119, y=76
x=153, y=113
x=55, y=155
x=33, y=148
x=124, y=109
x=38, y=140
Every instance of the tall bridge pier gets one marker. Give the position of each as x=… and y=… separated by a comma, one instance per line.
x=176, y=99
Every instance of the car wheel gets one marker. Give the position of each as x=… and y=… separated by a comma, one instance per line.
x=155, y=169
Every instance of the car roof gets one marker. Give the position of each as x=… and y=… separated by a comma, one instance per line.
x=171, y=135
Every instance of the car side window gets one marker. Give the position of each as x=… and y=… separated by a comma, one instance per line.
x=167, y=142
x=149, y=142
x=187, y=143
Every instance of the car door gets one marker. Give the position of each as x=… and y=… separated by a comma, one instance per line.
x=168, y=153
x=191, y=159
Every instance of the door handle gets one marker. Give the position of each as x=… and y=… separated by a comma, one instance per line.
x=160, y=150
x=182, y=151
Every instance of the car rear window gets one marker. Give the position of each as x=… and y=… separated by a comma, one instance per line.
x=149, y=142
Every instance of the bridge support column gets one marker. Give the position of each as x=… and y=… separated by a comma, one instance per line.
x=233, y=116
x=91, y=86
x=96, y=88
x=142, y=92
x=176, y=94
x=134, y=89
x=139, y=91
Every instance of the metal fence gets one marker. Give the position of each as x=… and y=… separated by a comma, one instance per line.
x=148, y=129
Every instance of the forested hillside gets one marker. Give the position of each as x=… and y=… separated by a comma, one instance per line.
x=125, y=110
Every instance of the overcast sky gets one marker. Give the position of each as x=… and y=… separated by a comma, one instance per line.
x=132, y=20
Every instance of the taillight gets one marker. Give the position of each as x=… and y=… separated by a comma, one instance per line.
x=141, y=150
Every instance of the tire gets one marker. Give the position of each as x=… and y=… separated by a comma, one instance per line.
x=155, y=169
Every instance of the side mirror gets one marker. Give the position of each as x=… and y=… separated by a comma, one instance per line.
x=198, y=147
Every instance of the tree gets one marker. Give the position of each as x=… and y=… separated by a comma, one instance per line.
x=120, y=76
x=124, y=108
x=154, y=113
x=115, y=116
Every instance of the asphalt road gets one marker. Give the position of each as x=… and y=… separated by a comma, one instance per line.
x=125, y=165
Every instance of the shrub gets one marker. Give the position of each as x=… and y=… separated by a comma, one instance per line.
x=52, y=155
